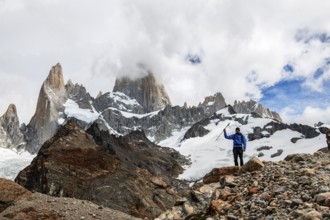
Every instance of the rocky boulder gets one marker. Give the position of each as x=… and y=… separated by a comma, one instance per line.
x=254, y=164
x=215, y=175
x=129, y=174
x=323, y=199
x=11, y=193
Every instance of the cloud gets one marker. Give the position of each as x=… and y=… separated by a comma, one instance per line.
x=242, y=45
x=310, y=115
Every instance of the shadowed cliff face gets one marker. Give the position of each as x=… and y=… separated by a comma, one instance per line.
x=129, y=173
x=146, y=91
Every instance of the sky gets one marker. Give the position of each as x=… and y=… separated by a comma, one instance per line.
x=276, y=52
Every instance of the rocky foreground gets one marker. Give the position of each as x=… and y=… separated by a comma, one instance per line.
x=128, y=173
x=296, y=188
x=18, y=203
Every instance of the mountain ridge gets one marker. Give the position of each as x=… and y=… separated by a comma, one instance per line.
x=120, y=113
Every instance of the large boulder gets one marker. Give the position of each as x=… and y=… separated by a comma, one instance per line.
x=10, y=193
x=254, y=164
x=215, y=175
x=323, y=199
x=129, y=174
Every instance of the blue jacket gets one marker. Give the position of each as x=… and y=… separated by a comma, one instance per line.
x=238, y=139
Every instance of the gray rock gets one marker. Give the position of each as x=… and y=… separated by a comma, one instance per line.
x=297, y=202
x=11, y=136
x=253, y=164
x=253, y=106
x=214, y=103
x=323, y=199
x=278, y=153
x=44, y=122
x=147, y=92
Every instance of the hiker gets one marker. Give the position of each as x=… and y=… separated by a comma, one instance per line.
x=239, y=145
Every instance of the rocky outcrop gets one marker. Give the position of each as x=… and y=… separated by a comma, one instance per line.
x=18, y=203
x=158, y=125
x=79, y=94
x=272, y=127
x=117, y=100
x=198, y=129
x=151, y=95
x=11, y=135
x=297, y=188
x=255, y=107
x=214, y=103
x=128, y=173
x=44, y=123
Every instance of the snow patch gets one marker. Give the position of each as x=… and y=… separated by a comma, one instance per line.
x=121, y=97
x=72, y=110
x=12, y=163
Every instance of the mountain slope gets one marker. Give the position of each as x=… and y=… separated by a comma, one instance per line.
x=268, y=139
x=127, y=173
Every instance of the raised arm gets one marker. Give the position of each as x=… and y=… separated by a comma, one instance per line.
x=231, y=137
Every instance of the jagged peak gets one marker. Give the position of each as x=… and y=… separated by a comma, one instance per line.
x=55, y=77
x=255, y=107
x=99, y=94
x=69, y=83
x=11, y=110
x=146, y=90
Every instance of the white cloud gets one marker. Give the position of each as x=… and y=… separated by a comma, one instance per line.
x=310, y=115
x=95, y=41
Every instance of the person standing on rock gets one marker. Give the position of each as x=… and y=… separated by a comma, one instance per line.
x=239, y=145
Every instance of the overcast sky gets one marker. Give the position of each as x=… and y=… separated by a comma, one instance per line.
x=275, y=51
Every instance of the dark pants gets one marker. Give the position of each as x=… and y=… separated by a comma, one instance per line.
x=238, y=152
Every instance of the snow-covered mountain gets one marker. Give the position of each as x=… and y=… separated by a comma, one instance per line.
x=268, y=139
x=143, y=104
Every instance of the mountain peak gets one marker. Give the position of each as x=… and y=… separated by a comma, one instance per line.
x=151, y=95
x=10, y=133
x=11, y=111
x=51, y=98
x=55, y=78
x=247, y=107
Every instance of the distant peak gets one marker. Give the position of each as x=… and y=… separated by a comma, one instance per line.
x=11, y=111
x=55, y=77
x=151, y=95
x=69, y=83
x=99, y=94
